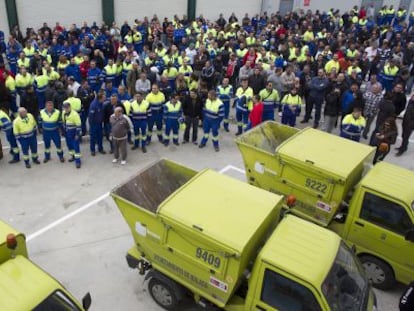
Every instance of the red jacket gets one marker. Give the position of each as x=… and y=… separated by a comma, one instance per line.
x=251, y=58
x=256, y=114
x=84, y=67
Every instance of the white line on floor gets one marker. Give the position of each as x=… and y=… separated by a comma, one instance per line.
x=92, y=203
x=66, y=217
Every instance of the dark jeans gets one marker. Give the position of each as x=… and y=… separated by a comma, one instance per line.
x=314, y=102
x=405, y=137
x=191, y=123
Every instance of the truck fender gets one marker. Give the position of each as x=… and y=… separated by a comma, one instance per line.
x=178, y=289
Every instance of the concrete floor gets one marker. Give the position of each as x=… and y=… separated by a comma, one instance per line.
x=76, y=233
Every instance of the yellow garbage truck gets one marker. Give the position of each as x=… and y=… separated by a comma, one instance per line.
x=23, y=285
x=336, y=186
x=226, y=244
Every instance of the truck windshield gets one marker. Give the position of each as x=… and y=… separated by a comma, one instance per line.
x=57, y=301
x=346, y=287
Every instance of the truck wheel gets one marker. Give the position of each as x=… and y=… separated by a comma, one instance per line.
x=378, y=272
x=162, y=294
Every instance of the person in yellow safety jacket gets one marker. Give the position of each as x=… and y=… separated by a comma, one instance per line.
x=41, y=81
x=381, y=15
x=362, y=22
x=24, y=129
x=271, y=99
x=171, y=73
x=352, y=52
x=79, y=58
x=241, y=51
x=75, y=103
x=186, y=70
x=225, y=94
x=73, y=130
x=388, y=75
x=308, y=36
x=23, y=80
x=183, y=58
x=29, y=50
x=50, y=73
x=389, y=15
x=23, y=61
x=156, y=100
x=244, y=105
x=140, y=112
x=44, y=53
x=109, y=72
x=7, y=126
x=251, y=40
x=160, y=50
x=10, y=84
x=137, y=41
x=213, y=113
x=355, y=19
x=401, y=15
x=118, y=72
x=292, y=106
x=173, y=116
x=353, y=125
x=50, y=123
x=332, y=65
x=354, y=67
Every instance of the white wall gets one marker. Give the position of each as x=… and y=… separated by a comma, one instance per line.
x=212, y=8
x=128, y=10
x=324, y=5
x=4, y=26
x=34, y=12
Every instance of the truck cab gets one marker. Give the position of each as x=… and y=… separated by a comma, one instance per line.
x=286, y=276
x=336, y=186
x=25, y=286
x=380, y=224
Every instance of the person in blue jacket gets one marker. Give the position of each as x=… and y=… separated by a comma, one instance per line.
x=96, y=119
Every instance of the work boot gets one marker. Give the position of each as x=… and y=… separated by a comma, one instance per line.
x=102, y=151
x=28, y=165
x=78, y=165
x=45, y=160
x=14, y=161
x=36, y=161
x=304, y=121
x=166, y=144
x=144, y=149
x=134, y=148
x=93, y=153
x=71, y=159
x=176, y=143
x=217, y=148
x=201, y=146
x=62, y=160
x=399, y=153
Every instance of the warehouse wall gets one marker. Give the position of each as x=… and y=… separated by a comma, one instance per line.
x=324, y=5
x=131, y=9
x=4, y=26
x=34, y=12
x=212, y=8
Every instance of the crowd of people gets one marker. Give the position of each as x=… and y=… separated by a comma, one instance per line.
x=350, y=70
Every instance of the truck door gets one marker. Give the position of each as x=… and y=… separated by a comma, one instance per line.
x=283, y=293
x=379, y=228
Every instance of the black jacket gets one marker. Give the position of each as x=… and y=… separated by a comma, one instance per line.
x=386, y=110
x=408, y=120
x=192, y=108
x=333, y=104
x=399, y=100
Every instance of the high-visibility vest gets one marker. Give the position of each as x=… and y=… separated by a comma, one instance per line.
x=50, y=121
x=156, y=101
x=140, y=111
x=24, y=127
x=214, y=109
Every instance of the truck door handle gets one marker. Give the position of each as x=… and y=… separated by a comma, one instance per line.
x=260, y=308
x=359, y=224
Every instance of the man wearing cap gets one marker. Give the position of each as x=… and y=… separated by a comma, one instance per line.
x=24, y=129
x=50, y=122
x=72, y=127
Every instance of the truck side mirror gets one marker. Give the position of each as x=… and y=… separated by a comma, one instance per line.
x=87, y=301
x=409, y=235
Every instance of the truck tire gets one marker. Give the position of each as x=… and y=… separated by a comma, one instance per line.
x=163, y=294
x=378, y=272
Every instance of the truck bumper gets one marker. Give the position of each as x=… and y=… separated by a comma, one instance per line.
x=133, y=257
